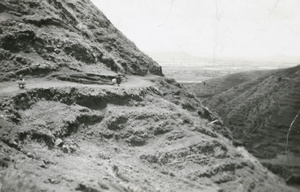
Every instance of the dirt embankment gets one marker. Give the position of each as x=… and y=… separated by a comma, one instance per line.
x=104, y=138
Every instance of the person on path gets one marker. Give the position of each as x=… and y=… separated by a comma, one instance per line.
x=119, y=79
x=21, y=82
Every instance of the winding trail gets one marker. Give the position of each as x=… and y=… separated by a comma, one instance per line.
x=10, y=88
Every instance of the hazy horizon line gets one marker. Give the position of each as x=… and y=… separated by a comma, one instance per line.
x=275, y=59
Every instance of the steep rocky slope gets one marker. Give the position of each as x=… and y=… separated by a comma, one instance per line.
x=41, y=37
x=144, y=136
x=259, y=114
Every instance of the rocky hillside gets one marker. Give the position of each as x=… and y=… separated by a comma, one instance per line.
x=259, y=114
x=149, y=134
x=84, y=134
x=38, y=38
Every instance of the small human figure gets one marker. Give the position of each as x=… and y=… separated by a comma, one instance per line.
x=119, y=79
x=114, y=81
x=21, y=82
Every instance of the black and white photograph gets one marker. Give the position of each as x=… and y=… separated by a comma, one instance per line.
x=149, y=96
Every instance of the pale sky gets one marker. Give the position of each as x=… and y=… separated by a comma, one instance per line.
x=251, y=29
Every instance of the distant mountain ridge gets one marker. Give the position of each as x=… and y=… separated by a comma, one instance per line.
x=175, y=57
x=186, y=59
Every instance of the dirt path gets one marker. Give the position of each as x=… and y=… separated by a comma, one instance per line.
x=11, y=88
